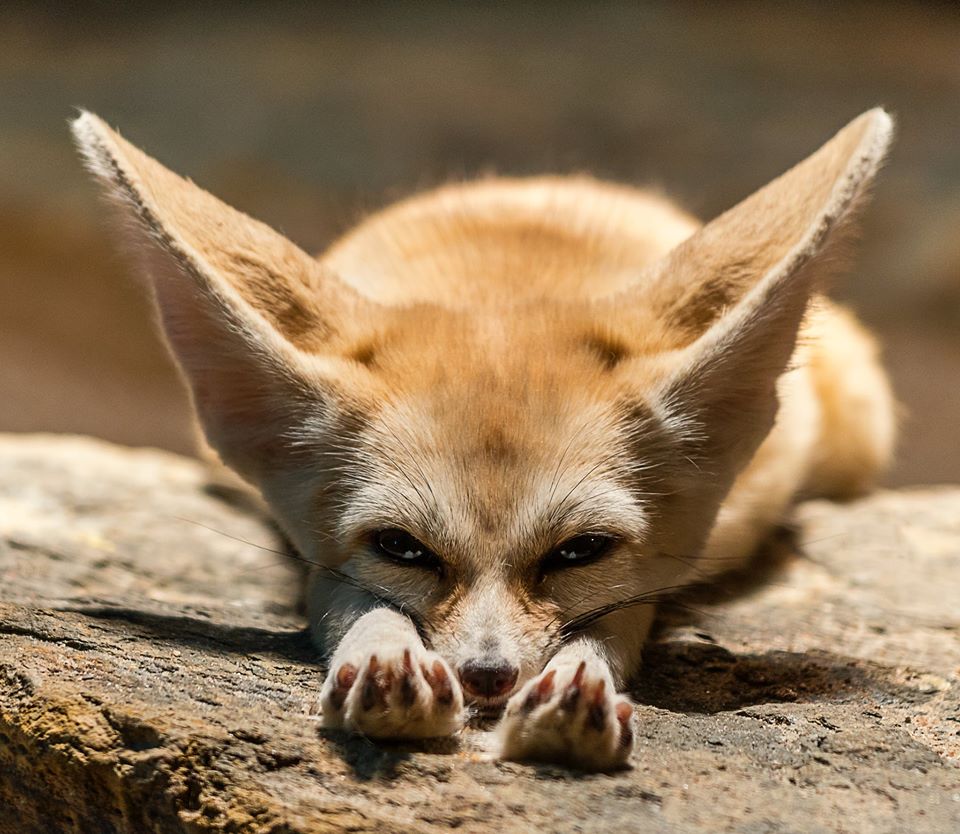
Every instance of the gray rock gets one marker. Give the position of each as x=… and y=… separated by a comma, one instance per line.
x=155, y=677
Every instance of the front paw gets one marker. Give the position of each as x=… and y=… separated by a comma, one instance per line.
x=569, y=714
x=401, y=693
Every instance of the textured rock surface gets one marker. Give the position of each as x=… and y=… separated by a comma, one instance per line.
x=154, y=676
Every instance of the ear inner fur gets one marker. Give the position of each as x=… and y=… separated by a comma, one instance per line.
x=241, y=306
x=239, y=258
x=790, y=218
x=725, y=381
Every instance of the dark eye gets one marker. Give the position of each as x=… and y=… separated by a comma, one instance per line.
x=399, y=546
x=577, y=551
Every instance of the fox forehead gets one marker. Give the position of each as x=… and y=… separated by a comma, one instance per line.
x=494, y=472
x=522, y=350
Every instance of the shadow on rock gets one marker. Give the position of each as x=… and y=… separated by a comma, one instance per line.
x=684, y=676
x=209, y=636
x=384, y=760
x=762, y=569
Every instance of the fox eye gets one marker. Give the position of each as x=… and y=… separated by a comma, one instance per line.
x=579, y=550
x=399, y=546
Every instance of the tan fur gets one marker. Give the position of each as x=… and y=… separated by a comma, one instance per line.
x=497, y=367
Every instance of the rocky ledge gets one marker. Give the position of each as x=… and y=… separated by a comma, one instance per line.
x=155, y=677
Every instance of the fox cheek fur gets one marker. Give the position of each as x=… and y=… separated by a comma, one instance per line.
x=502, y=418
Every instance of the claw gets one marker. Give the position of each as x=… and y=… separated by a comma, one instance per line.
x=541, y=692
x=346, y=677
x=624, y=714
x=372, y=692
x=597, y=710
x=545, y=687
x=439, y=682
x=578, y=675
x=571, y=695
x=408, y=685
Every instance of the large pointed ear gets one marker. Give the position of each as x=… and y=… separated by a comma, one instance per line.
x=741, y=285
x=252, y=320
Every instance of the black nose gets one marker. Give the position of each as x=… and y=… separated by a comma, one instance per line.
x=488, y=678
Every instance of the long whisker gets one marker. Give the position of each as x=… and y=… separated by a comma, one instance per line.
x=584, y=598
x=406, y=476
x=588, y=618
x=417, y=464
x=378, y=592
x=555, y=480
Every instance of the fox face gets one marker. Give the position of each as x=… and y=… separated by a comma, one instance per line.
x=496, y=496
x=499, y=420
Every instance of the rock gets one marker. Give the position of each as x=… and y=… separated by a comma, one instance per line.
x=155, y=677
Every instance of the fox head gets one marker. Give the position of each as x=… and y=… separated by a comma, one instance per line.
x=491, y=408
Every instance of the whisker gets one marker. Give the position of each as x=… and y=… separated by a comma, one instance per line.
x=584, y=598
x=416, y=463
x=588, y=618
x=378, y=592
x=555, y=481
x=229, y=535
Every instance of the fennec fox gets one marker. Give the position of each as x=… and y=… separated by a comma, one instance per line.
x=503, y=418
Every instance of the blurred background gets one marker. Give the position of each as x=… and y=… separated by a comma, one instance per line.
x=307, y=116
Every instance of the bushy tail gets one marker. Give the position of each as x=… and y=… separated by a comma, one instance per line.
x=858, y=410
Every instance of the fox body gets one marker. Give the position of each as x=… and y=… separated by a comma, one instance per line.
x=501, y=419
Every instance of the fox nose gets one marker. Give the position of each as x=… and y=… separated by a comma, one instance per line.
x=488, y=678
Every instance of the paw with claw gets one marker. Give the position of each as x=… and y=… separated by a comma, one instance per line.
x=569, y=714
x=407, y=693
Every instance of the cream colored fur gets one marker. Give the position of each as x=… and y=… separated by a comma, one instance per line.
x=496, y=368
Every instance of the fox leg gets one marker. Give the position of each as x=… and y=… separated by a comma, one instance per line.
x=384, y=683
x=570, y=713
